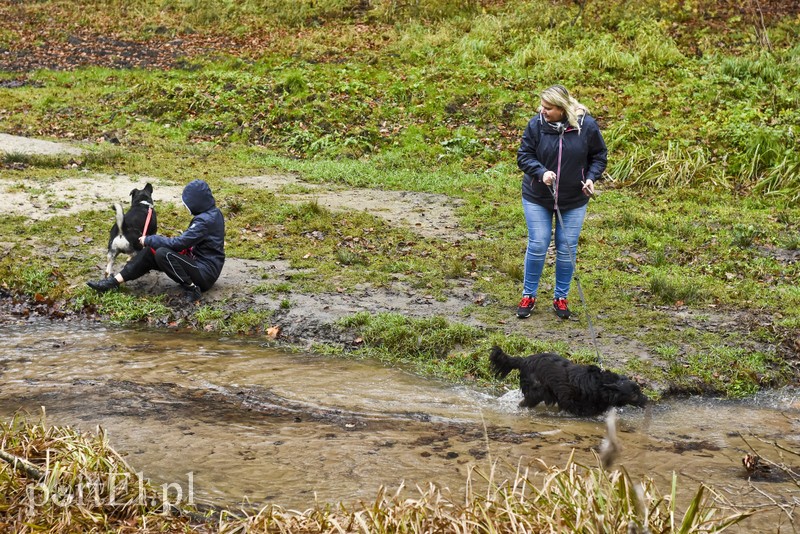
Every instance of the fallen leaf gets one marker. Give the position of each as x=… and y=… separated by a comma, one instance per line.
x=274, y=331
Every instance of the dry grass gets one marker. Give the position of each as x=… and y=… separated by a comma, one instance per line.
x=675, y=166
x=574, y=498
x=66, y=481
x=57, y=479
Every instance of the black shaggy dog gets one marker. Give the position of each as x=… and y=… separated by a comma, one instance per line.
x=580, y=389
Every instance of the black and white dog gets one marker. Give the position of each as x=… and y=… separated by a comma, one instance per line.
x=124, y=235
x=579, y=389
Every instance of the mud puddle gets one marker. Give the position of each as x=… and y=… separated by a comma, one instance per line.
x=237, y=422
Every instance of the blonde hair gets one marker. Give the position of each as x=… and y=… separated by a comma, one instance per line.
x=558, y=95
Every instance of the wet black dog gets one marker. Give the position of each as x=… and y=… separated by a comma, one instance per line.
x=124, y=235
x=579, y=389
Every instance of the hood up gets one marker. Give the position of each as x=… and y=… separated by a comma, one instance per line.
x=197, y=197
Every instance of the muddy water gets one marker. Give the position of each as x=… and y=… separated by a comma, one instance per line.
x=233, y=421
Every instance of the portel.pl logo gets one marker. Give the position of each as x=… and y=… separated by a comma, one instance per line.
x=119, y=489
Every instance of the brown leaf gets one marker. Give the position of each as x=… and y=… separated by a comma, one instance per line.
x=274, y=331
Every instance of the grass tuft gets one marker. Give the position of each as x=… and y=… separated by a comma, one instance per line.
x=673, y=289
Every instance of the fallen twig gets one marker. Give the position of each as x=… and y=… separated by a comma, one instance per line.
x=22, y=465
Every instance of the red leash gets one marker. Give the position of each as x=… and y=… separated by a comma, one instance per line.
x=147, y=221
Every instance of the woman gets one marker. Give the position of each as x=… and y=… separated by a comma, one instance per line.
x=562, y=155
x=193, y=259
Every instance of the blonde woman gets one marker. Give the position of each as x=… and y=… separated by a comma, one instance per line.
x=562, y=155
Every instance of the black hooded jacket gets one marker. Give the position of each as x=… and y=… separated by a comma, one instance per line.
x=583, y=157
x=205, y=237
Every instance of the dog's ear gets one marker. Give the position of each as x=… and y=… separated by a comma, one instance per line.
x=148, y=188
x=134, y=191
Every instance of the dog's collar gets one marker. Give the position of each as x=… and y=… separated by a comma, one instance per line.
x=146, y=203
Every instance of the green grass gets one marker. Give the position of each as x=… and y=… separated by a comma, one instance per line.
x=123, y=308
x=424, y=344
x=699, y=201
x=729, y=371
x=357, y=108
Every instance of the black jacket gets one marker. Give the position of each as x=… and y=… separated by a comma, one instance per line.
x=205, y=237
x=583, y=157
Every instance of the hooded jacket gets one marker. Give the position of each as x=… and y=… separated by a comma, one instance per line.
x=205, y=237
x=583, y=157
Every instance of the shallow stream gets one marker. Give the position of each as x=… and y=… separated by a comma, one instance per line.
x=234, y=422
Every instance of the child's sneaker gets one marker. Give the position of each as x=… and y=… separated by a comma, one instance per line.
x=192, y=294
x=526, y=307
x=104, y=284
x=560, y=307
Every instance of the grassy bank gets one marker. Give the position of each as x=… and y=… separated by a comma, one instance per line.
x=61, y=480
x=698, y=211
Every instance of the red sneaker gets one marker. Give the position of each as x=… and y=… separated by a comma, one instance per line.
x=561, y=309
x=526, y=306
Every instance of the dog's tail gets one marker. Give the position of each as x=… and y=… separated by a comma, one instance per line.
x=120, y=215
x=501, y=363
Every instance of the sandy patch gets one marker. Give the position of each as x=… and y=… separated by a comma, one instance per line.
x=428, y=214
x=13, y=144
x=242, y=287
x=42, y=201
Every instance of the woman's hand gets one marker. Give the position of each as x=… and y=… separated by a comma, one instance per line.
x=548, y=178
x=141, y=240
x=588, y=188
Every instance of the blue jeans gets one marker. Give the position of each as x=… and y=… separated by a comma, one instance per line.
x=540, y=230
